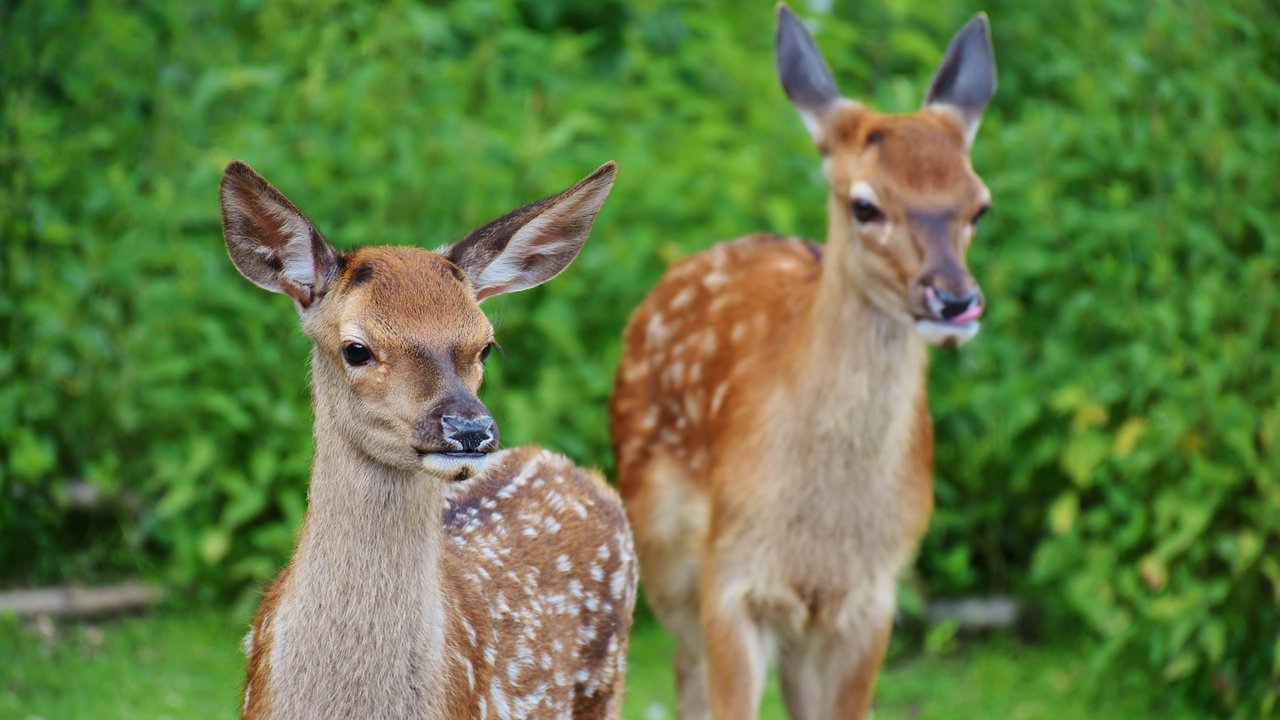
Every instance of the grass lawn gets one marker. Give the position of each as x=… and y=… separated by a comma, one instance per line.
x=188, y=665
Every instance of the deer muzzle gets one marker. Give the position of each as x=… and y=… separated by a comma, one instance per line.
x=454, y=440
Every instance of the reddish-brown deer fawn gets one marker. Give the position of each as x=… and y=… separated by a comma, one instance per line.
x=773, y=438
x=433, y=577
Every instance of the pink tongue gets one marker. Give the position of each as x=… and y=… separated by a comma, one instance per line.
x=973, y=313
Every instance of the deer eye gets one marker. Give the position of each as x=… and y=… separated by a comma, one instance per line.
x=356, y=354
x=484, y=352
x=865, y=211
x=978, y=215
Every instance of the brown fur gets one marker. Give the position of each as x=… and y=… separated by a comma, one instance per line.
x=568, y=641
x=425, y=585
x=772, y=430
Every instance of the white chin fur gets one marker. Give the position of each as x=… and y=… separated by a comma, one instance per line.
x=947, y=334
x=455, y=468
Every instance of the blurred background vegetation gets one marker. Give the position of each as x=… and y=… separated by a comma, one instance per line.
x=1108, y=449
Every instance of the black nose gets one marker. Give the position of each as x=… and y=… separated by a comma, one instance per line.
x=955, y=306
x=469, y=435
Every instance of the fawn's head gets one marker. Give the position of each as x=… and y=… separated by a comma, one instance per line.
x=400, y=339
x=903, y=191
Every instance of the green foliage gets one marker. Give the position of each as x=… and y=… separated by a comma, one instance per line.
x=1108, y=446
x=1116, y=430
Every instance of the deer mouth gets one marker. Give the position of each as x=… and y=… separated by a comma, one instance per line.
x=947, y=333
x=455, y=466
x=950, y=322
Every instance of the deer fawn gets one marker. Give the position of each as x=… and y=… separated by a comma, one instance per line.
x=433, y=577
x=770, y=423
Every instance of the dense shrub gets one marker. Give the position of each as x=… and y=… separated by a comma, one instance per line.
x=1119, y=426
x=1108, y=447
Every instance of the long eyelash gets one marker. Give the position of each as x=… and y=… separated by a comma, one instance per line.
x=488, y=351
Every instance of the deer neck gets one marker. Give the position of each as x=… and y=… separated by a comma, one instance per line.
x=857, y=368
x=364, y=609
x=858, y=314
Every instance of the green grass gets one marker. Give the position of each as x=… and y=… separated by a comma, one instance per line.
x=184, y=665
x=188, y=665
x=996, y=678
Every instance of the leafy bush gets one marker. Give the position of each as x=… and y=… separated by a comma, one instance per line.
x=1116, y=432
x=1108, y=447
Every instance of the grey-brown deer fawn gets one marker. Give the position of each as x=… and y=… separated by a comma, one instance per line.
x=434, y=577
x=770, y=423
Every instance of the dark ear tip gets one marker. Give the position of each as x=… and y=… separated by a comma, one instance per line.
x=786, y=16
x=603, y=175
x=238, y=167
x=238, y=173
x=980, y=24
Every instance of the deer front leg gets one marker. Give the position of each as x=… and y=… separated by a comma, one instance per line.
x=803, y=687
x=853, y=697
x=735, y=657
x=831, y=675
x=679, y=613
x=691, y=681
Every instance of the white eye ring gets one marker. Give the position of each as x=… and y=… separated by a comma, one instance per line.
x=865, y=203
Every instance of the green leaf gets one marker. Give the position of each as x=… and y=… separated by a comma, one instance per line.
x=30, y=456
x=1082, y=456
x=942, y=638
x=1180, y=667
x=1063, y=513
x=214, y=545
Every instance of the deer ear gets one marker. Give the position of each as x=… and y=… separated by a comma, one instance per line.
x=804, y=74
x=531, y=245
x=966, y=79
x=270, y=241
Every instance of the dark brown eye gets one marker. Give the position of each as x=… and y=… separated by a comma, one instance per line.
x=484, y=354
x=978, y=215
x=356, y=354
x=866, y=211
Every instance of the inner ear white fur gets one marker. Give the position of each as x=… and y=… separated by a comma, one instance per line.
x=813, y=122
x=506, y=273
x=298, y=265
x=296, y=260
x=542, y=247
x=270, y=241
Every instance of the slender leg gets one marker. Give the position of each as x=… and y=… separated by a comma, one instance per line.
x=691, y=681
x=678, y=612
x=736, y=660
x=853, y=699
x=802, y=681
x=832, y=676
